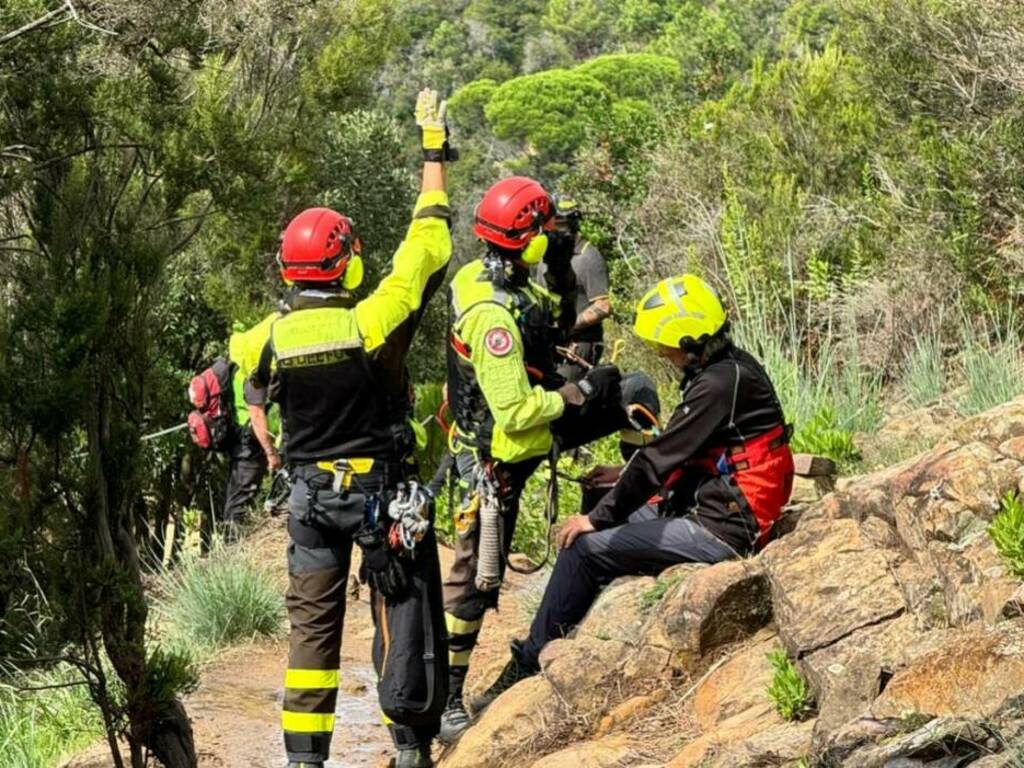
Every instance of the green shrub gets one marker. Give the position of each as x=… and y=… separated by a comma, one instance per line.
x=550, y=111
x=822, y=436
x=39, y=728
x=466, y=105
x=216, y=601
x=633, y=75
x=1007, y=533
x=788, y=691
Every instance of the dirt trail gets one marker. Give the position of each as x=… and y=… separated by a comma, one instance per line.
x=235, y=712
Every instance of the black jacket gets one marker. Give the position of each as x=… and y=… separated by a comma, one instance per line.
x=728, y=402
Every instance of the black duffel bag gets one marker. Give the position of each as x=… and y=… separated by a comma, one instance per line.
x=410, y=647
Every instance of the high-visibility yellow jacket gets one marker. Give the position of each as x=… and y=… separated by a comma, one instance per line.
x=501, y=335
x=244, y=350
x=340, y=364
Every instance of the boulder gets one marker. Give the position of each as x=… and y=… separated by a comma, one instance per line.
x=510, y=725
x=973, y=673
x=577, y=668
x=780, y=746
x=618, y=613
x=951, y=495
x=629, y=709
x=827, y=581
x=732, y=709
x=973, y=579
x=994, y=426
x=939, y=743
x=736, y=692
x=605, y=752
x=847, y=677
x=713, y=606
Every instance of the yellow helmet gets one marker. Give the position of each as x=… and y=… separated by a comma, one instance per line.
x=679, y=310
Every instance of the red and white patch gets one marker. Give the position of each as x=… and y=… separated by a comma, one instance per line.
x=498, y=342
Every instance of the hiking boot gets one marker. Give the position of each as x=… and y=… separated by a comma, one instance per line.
x=454, y=722
x=304, y=764
x=515, y=670
x=418, y=757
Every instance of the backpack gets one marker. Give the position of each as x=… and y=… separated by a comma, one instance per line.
x=211, y=424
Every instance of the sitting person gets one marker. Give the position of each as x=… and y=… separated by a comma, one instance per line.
x=707, y=489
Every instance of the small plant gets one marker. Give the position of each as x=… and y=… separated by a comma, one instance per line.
x=1007, y=533
x=788, y=691
x=658, y=590
x=823, y=436
x=220, y=600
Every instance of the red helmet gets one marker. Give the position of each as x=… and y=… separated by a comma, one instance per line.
x=317, y=246
x=513, y=212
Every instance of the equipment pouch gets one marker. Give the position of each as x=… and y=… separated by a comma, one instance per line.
x=410, y=647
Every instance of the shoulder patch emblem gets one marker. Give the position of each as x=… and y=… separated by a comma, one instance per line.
x=498, y=342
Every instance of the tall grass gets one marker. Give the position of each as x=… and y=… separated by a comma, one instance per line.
x=923, y=371
x=992, y=364
x=217, y=601
x=39, y=728
x=826, y=394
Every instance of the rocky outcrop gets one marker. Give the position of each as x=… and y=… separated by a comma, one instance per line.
x=510, y=726
x=607, y=752
x=887, y=593
x=974, y=672
x=849, y=571
x=710, y=607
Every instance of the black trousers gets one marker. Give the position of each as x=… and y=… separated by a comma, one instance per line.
x=647, y=544
x=321, y=525
x=248, y=465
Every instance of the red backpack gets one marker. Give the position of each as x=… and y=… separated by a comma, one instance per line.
x=212, y=422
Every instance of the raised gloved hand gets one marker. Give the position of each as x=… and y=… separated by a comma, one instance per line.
x=381, y=568
x=430, y=117
x=601, y=383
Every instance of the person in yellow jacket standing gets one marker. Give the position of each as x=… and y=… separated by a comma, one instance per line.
x=248, y=458
x=505, y=393
x=336, y=366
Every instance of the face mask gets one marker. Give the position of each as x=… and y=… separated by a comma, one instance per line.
x=535, y=250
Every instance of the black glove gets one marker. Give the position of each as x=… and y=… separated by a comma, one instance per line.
x=381, y=568
x=601, y=383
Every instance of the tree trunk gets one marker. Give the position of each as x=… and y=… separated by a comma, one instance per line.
x=160, y=726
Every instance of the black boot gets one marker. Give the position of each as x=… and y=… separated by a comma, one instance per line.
x=417, y=757
x=515, y=670
x=454, y=720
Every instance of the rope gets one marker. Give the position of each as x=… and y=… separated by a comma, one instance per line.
x=550, y=511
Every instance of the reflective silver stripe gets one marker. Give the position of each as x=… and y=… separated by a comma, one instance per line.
x=327, y=346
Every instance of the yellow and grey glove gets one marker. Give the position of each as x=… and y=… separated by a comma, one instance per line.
x=430, y=117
